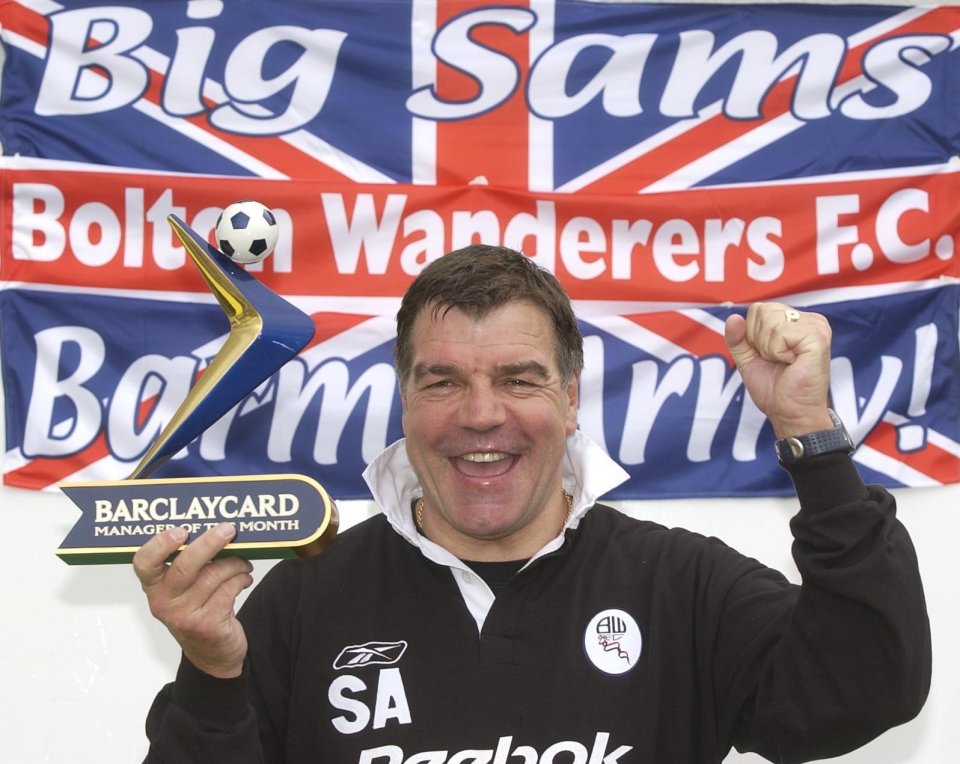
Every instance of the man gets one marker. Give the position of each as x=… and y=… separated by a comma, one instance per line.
x=496, y=613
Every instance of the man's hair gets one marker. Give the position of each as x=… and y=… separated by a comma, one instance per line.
x=478, y=279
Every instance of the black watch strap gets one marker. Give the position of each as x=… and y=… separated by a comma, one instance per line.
x=797, y=447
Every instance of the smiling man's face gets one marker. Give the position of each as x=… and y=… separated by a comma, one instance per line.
x=486, y=416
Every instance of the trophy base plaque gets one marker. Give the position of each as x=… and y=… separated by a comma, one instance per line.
x=276, y=516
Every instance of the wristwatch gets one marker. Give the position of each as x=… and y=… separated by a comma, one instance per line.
x=798, y=447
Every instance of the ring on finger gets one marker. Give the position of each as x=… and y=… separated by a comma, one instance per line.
x=791, y=315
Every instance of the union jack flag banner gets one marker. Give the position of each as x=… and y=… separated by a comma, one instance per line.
x=670, y=163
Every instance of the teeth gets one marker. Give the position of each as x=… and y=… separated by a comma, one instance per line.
x=485, y=456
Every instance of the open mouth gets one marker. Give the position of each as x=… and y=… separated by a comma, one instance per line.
x=484, y=463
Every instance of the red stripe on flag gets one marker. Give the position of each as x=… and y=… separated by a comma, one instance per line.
x=494, y=144
x=718, y=131
x=44, y=472
x=683, y=331
x=272, y=151
x=329, y=325
x=930, y=460
x=25, y=22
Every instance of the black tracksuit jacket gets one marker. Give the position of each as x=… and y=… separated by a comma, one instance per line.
x=368, y=654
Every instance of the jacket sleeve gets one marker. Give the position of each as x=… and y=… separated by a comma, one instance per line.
x=199, y=718
x=850, y=656
x=205, y=720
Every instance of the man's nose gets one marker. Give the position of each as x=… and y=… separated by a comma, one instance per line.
x=481, y=408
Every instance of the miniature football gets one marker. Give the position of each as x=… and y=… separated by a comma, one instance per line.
x=246, y=231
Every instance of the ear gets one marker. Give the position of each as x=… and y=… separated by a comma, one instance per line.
x=573, y=403
x=403, y=407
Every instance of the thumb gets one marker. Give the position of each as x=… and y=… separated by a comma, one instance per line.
x=735, y=335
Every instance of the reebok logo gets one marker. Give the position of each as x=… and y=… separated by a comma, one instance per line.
x=370, y=654
x=505, y=753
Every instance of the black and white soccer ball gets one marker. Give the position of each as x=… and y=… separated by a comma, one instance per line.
x=246, y=231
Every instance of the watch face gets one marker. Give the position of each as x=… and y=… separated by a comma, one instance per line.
x=791, y=448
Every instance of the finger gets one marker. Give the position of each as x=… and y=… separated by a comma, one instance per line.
x=213, y=597
x=214, y=589
x=214, y=575
x=223, y=598
x=149, y=562
x=753, y=322
x=774, y=336
x=792, y=333
x=187, y=566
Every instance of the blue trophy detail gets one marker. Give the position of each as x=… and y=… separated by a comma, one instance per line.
x=266, y=331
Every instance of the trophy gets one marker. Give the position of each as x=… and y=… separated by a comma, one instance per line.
x=276, y=516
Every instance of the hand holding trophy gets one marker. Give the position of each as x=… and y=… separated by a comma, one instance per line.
x=273, y=515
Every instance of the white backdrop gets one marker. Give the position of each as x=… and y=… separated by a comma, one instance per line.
x=81, y=657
